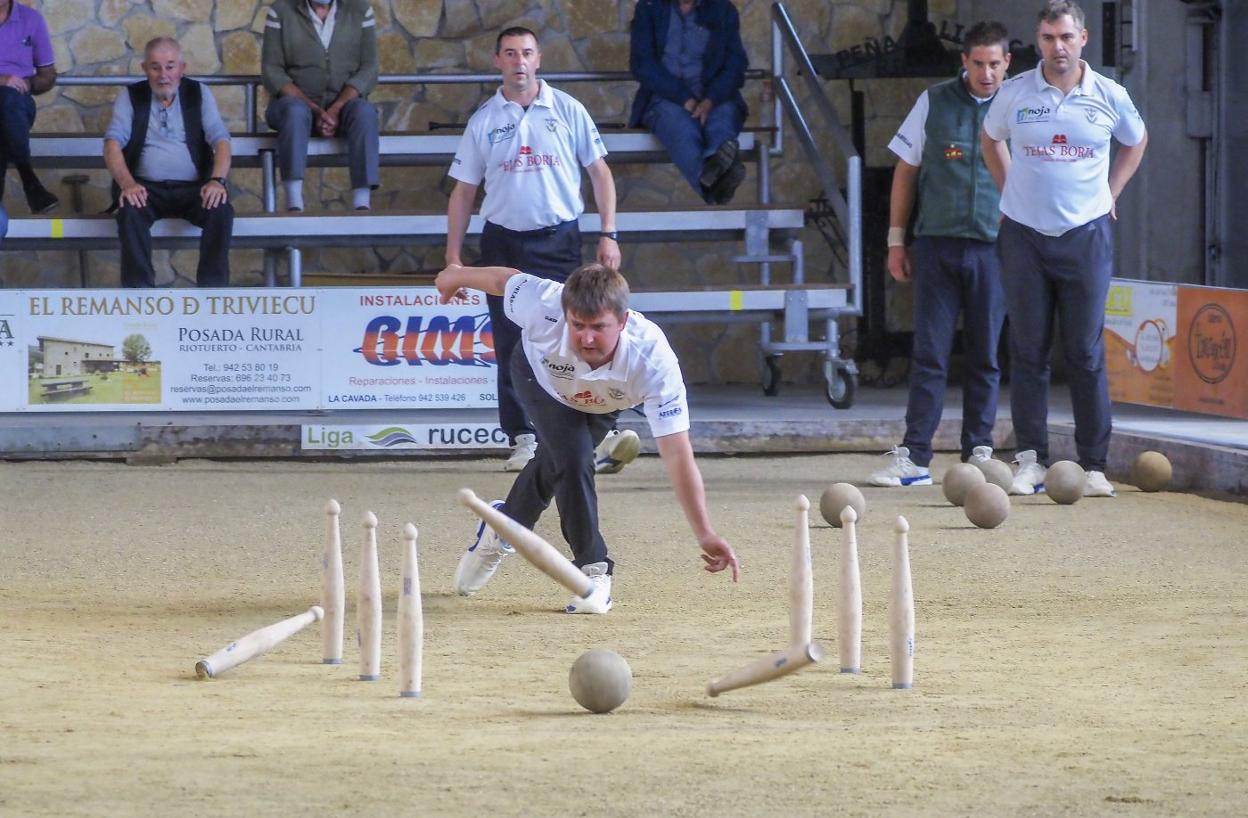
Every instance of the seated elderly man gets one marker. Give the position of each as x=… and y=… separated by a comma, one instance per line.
x=26, y=69
x=319, y=64
x=689, y=60
x=169, y=154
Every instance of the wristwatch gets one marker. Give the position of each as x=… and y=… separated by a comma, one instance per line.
x=609, y=234
x=221, y=180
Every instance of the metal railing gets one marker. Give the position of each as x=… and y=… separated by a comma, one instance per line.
x=847, y=206
x=250, y=83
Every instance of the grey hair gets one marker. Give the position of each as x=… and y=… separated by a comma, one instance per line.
x=160, y=42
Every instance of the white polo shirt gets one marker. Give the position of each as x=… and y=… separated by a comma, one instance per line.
x=644, y=369
x=530, y=160
x=1059, y=147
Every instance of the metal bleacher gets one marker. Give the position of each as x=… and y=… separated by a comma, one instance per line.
x=769, y=233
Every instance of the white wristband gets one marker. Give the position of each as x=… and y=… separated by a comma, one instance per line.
x=896, y=237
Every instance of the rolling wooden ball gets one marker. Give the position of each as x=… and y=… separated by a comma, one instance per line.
x=1151, y=471
x=959, y=480
x=987, y=505
x=834, y=499
x=600, y=680
x=1064, y=482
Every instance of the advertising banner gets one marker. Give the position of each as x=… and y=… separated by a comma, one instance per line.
x=243, y=349
x=1140, y=321
x=1213, y=347
x=375, y=437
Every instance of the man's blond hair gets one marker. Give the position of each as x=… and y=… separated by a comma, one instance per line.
x=593, y=289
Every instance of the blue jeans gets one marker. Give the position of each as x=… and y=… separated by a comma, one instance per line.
x=17, y=115
x=1067, y=275
x=358, y=124
x=689, y=142
x=954, y=276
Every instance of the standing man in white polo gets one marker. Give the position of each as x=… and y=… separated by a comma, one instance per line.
x=528, y=143
x=1058, y=192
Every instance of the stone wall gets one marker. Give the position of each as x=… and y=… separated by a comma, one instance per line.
x=223, y=36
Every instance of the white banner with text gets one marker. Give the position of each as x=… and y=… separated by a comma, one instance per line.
x=232, y=349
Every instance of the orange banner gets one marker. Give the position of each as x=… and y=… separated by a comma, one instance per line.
x=1213, y=350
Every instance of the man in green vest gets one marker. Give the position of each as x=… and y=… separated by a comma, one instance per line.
x=954, y=267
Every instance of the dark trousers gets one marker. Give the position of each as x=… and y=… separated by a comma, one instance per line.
x=1067, y=274
x=563, y=468
x=17, y=115
x=174, y=200
x=954, y=276
x=551, y=252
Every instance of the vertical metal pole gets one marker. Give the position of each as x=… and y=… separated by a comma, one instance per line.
x=854, y=192
x=270, y=268
x=269, y=182
x=777, y=74
x=294, y=263
x=249, y=107
x=764, y=170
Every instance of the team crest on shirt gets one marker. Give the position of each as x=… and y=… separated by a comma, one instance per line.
x=953, y=152
x=552, y=124
x=616, y=394
x=1091, y=116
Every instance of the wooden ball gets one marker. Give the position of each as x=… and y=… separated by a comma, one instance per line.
x=834, y=499
x=997, y=473
x=987, y=505
x=1064, y=482
x=959, y=480
x=600, y=680
x=1151, y=471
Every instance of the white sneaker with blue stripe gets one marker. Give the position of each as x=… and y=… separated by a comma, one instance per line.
x=902, y=471
x=598, y=602
x=617, y=450
x=481, y=559
x=1029, y=479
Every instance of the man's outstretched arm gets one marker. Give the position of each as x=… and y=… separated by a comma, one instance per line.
x=686, y=480
x=454, y=278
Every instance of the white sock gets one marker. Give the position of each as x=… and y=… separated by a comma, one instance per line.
x=361, y=198
x=294, y=194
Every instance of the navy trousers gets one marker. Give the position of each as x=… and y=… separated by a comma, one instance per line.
x=953, y=276
x=1066, y=275
x=563, y=468
x=550, y=252
x=174, y=200
x=17, y=115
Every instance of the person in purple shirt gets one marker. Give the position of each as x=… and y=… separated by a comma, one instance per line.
x=27, y=68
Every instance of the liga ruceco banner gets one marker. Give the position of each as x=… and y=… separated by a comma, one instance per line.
x=240, y=349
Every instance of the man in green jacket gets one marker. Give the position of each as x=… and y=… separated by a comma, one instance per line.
x=955, y=266
x=319, y=64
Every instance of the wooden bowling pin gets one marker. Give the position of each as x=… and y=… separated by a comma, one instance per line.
x=368, y=604
x=333, y=588
x=901, y=611
x=849, y=604
x=801, y=580
x=411, y=619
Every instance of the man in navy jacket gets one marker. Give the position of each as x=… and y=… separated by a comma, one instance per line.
x=688, y=57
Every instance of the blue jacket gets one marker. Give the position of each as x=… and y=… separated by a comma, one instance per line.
x=723, y=66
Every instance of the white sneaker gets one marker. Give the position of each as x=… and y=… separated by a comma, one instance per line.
x=481, y=559
x=1098, y=486
x=521, y=453
x=902, y=472
x=980, y=454
x=617, y=450
x=1029, y=479
x=599, y=602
